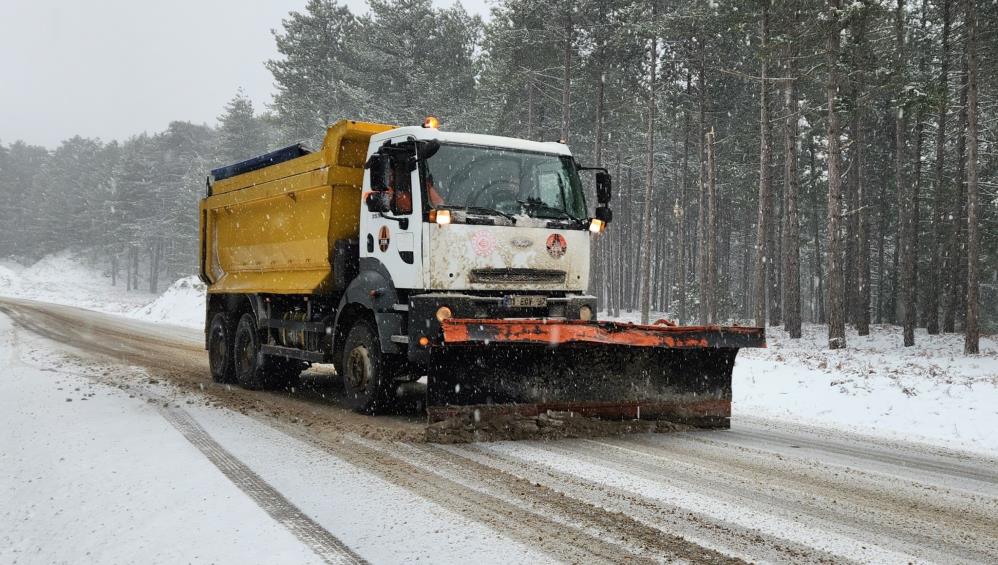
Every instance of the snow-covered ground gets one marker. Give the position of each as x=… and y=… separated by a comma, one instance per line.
x=94, y=473
x=930, y=392
x=96, y=468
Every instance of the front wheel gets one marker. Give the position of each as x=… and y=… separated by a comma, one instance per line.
x=366, y=379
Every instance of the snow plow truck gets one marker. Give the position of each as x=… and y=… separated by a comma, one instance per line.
x=397, y=253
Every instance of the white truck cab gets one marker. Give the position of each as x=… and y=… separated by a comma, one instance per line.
x=467, y=212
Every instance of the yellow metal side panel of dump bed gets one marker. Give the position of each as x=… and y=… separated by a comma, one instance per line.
x=274, y=230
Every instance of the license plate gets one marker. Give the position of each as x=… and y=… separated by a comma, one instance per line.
x=520, y=301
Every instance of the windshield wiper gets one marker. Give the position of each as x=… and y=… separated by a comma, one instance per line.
x=483, y=210
x=537, y=205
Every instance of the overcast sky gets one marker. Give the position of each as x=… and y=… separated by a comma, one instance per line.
x=114, y=68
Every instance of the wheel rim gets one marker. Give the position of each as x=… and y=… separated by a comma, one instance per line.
x=247, y=354
x=218, y=346
x=359, y=368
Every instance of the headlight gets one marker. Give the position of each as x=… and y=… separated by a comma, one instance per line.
x=585, y=313
x=443, y=313
x=440, y=217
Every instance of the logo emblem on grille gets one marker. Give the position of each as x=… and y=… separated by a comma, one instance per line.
x=521, y=243
x=483, y=243
x=557, y=246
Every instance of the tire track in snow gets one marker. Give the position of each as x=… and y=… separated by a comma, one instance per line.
x=325, y=545
x=308, y=531
x=573, y=515
x=672, y=520
x=277, y=506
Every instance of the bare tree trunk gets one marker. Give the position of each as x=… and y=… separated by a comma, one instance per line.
x=819, y=295
x=711, y=264
x=774, y=246
x=862, y=308
x=916, y=215
x=617, y=273
x=954, y=299
x=906, y=243
x=884, y=301
x=971, y=344
x=836, y=296
x=597, y=273
x=681, y=209
x=791, y=231
x=634, y=278
x=936, y=246
x=859, y=209
x=157, y=251
x=765, y=180
x=852, y=206
x=114, y=269
x=566, y=86
x=649, y=180
x=702, y=204
x=129, y=285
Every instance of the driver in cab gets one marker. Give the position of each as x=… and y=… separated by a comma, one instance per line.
x=401, y=193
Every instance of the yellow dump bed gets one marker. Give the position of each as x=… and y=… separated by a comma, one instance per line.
x=274, y=230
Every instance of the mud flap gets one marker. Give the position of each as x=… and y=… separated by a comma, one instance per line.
x=611, y=382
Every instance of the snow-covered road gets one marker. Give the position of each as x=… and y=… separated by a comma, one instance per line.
x=116, y=447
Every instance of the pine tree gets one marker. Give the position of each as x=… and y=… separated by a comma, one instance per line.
x=315, y=76
x=240, y=134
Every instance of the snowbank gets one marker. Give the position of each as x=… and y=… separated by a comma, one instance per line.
x=65, y=278
x=183, y=304
x=931, y=392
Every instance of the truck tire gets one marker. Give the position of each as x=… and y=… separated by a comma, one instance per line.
x=366, y=379
x=220, y=349
x=251, y=368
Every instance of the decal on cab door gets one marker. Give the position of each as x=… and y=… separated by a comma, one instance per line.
x=384, y=238
x=557, y=246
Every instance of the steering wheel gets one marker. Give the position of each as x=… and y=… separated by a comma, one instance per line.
x=499, y=191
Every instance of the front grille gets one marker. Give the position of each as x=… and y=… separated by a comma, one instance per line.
x=500, y=276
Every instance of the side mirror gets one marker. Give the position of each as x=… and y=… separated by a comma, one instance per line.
x=428, y=148
x=380, y=165
x=603, y=188
x=604, y=214
x=378, y=201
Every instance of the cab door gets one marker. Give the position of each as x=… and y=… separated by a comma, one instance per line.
x=393, y=237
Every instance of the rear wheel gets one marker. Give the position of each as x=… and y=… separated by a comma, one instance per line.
x=366, y=379
x=220, y=349
x=251, y=369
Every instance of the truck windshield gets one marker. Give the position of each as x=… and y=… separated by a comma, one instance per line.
x=504, y=182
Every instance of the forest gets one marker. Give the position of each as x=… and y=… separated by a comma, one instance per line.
x=774, y=162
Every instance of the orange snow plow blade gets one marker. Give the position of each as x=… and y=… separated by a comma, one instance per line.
x=560, y=332
x=606, y=370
